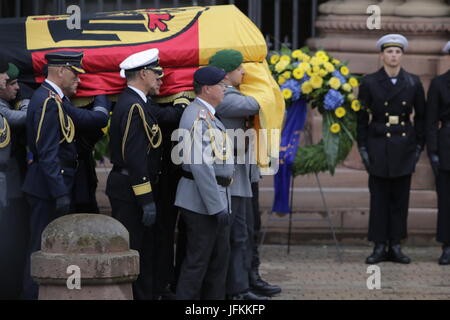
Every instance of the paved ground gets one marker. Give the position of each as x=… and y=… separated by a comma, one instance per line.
x=312, y=273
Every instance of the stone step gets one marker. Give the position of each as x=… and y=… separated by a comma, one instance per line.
x=309, y=199
x=349, y=178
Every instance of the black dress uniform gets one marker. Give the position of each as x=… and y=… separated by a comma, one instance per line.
x=393, y=144
x=438, y=147
x=135, y=140
x=51, y=122
x=168, y=116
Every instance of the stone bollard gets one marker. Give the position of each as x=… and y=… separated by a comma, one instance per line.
x=85, y=257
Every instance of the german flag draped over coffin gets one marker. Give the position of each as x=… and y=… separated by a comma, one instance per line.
x=186, y=37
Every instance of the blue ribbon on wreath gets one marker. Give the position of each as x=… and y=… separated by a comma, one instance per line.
x=290, y=139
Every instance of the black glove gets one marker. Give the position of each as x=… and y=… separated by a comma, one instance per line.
x=434, y=159
x=102, y=101
x=417, y=154
x=223, y=218
x=62, y=205
x=149, y=215
x=365, y=157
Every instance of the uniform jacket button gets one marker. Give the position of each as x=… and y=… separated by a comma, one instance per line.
x=388, y=124
x=386, y=114
x=388, y=134
x=403, y=134
x=404, y=103
x=403, y=123
x=386, y=103
x=62, y=171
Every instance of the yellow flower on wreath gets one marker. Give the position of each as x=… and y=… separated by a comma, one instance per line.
x=315, y=61
x=340, y=112
x=306, y=58
x=287, y=93
x=336, y=62
x=297, y=54
x=286, y=58
x=280, y=66
x=344, y=71
x=307, y=87
x=321, y=54
x=353, y=82
x=351, y=97
x=316, y=69
x=298, y=73
x=305, y=66
x=347, y=87
x=287, y=74
x=274, y=59
x=335, y=128
x=323, y=73
x=316, y=81
x=329, y=67
x=281, y=80
x=310, y=73
x=356, y=105
x=334, y=83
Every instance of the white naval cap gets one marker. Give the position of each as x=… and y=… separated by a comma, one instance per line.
x=392, y=40
x=447, y=48
x=148, y=59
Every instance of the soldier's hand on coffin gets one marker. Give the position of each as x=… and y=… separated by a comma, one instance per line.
x=418, y=152
x=103, y=101
x=62, y=205
x=365, y=157
x=434, y=159
x=223, y=218
x=149, y=215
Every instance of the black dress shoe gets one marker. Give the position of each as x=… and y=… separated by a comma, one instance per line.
x=378, y=254
x=395, y=254
x=248, y=295
x=445, y=258
x=261, y=287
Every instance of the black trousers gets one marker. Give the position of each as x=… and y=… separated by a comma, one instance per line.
x=14, y=238
x=443, y=193
x=141, y=240
x=240, y=253
x=204, y=269
x=389, y=202
x=166, y=219
x=256, y=232
x=41, y=214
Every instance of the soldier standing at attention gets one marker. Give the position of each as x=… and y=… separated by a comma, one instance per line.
x=135, y=139
x=203, y=193
x=438, y=148
x=390, y=146
x=50, y=125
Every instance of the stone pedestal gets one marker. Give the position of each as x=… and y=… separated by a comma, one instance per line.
x=84, y=257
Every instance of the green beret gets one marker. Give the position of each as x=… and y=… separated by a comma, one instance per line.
x=12, y=72
x=227, y=59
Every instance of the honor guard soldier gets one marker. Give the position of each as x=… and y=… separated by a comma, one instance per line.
x=168, y=114
x=51, y=123
x=203, y=193
x=390, y=146
x=438, y=148
x=135, y=140
x=235, y=111
x=14, y=225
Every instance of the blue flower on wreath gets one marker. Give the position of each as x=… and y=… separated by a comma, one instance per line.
x=338, y=75
x=333, y=99
x=294, y=86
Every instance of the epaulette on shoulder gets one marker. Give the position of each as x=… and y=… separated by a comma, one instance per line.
x=184, y=101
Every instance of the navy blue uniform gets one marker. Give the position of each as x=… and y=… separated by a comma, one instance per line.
x=50, y=135
x=393, y=144
x=135, y=138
